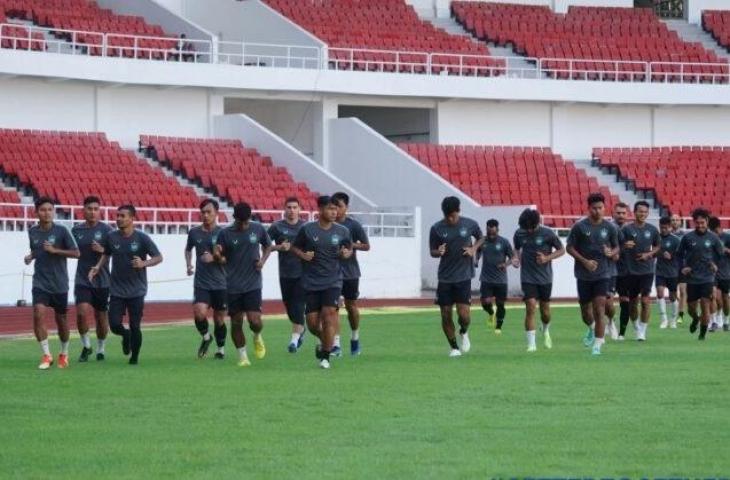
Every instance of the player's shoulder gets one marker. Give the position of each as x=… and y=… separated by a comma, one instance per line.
x=352, y=221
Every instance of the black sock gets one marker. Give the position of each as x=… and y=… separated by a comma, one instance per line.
x=202, y=326
x=703, y=331
x=462, y=330
x=135, y=342
x=500, y=321
x=681, y=314
x=452, y=342
x=487, y=306
x=501, y=312
x=624, y=317
x=220, y=332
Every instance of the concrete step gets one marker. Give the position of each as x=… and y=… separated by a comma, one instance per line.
x=24, y=199
x=689, y=32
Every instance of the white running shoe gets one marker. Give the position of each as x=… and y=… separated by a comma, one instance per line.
x=620, y=338
x=664, y=324
x=324, y=363
x=613, y=331
x=531, y=348
x=455, y=352
x=673, y=324
x=465, y=343
x=641, y=331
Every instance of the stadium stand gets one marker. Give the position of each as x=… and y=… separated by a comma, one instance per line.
x=8, y=211
x=610, y=43
x=87, y=16
x=231, y=171
x=378, y=28
x=717, y=24
x=514, y=176
x=677, y=177
x=67, y=166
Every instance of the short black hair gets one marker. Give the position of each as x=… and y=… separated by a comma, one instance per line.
x=529, y=219
x=713, y=223
x=450, y=205
x=641, y=203
x=291, y=200
x=91, y=199
x=665, y=220
x=42, y=201
x=492, y=223
x=341, y=197
x=700, y=213
x=242, y=212
x=128, y=207
x=209, y=201
x=596, y=197
x=621, y=205
x=324, y=200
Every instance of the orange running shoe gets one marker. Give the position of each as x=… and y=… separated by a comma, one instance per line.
x=46, y=362
x=62, y=361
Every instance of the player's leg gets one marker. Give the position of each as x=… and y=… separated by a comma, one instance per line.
x=462, y=300
x=135, y=307
x=500, y=298
x=598, y=304
x=530, y=297
x=610, y=312
x=681, y=301
x=487, y=300
x=252, y=306
x=328, y=324
x=40, y=305
x=293, y=297
x=83, y=312
x=351, y=293
x=645, y=283
x=661, y=301
x=201, y=306
x=60, y=309
x=117, y=307
x=100, y=304
x=235, y=311
x=671, y=289
x=693, y=298
x=585, y=300
x=624, y=305
x=445, y=301
x=705, y=308
x=545, y=316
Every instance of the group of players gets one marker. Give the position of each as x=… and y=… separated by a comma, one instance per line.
x=317, y=265
x=611, y=258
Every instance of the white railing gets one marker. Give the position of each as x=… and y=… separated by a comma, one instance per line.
x=74, y=42
x=20, y=217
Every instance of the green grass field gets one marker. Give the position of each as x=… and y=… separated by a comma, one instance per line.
x=401, y=410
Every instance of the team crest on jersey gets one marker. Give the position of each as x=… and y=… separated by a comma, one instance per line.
x=498, y=247
x=539, y=241
x=667, y=244
x=116, y=246
x=708, y=244
x=79, y=236
x=647, y=234
x=604, y=233
x=97, y=236
x=335, y=239
x=214, y=239
x=35, y=241
x=52, y=238
x=463, y=232
x=285, y=231
x=134, y=246
x=253, y=238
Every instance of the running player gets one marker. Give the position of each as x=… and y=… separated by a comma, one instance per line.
x=209, y=284
x=50, y=245
x=617, y=267
x=678, y=231
x=496, y=254
x=722, y=278
x=350, y=273
x=667, y=272
x=640, y=244
x=244, y=248
x=132, y=252
x=700, y=251
x=450, y=240
x=283, y=233
x=593, y=242
x=536, y=246
x=321, y=245
x=91, y=297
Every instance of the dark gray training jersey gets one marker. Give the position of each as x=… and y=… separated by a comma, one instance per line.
x=590, y=240
x=290, y=266
x=646, y=238
x=324, y=270
x=619, y=268
x=454, y=266
x=542, y=240
x=495, y=252
x=126, y=282
x=212, y=275
x=668, y=268
x=699, y=252
x=242, y=249
x=350, y=266
x=85, y=236
x=723, y=265
x=50, y=273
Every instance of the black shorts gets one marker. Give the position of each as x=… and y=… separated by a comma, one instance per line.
x=317, y=299
x=622, y=285
x=118, y=307
x=496, y=290
x=611, y=287
x=98, y=298
x=447, y=294
x=670, y=283
x=57, y=301
x=351, y=289
x=590, y=289
x=639, y=285
x=215, y=299
x=244, y=302
x=292, y=292
x=542, y=293
x=696, y=291
x=681, y=279
x=723, y=285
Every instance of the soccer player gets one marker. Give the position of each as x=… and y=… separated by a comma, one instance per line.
x=283, y=233
x=593, y=243
x=667, y=272
x=91, y=297
x=640, y=244
x=209, y=284
x=681, y=301
x=50, y=245
x=350, y=273
x=700, y=251
x=722, y=278
x=618, y=277
x=450, y=240
x=244, y=248
x=321, y=245
x=536, y=246
x=131, y=251
x=496, y=254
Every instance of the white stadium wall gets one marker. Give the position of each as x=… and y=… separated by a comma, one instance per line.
x=694, y=8
x=392, y=269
